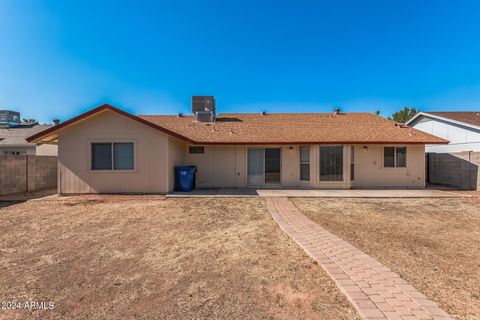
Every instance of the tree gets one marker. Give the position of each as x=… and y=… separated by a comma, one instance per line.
x=29, y=120
x=377, y=113
x=404, y=115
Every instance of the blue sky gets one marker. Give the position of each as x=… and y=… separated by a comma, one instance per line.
x=60, y=58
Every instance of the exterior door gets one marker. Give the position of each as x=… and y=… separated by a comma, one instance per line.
x=263, y=166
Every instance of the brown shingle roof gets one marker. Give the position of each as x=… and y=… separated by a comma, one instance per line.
x=290, y=128
x=274, y=128
x=469, y=117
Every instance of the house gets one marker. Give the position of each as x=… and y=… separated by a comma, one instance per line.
x=107, y=150
x=462, y=129
x=457, y=163
x=14, y=132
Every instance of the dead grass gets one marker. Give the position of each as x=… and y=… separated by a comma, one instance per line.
x=143, y=258
x=433, y=243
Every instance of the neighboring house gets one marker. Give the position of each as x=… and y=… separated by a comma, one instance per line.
x=462, y=129
x=457, y=163
x=14, y=132
x=107, y=150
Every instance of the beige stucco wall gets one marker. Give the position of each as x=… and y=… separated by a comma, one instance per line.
x=219, y=166
x=176, y=157
x=226, y=166
x=47, y=150
x=151, y=157
x=369, y=170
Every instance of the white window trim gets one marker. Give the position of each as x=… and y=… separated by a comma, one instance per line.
x=394, y=157
x=112, y=141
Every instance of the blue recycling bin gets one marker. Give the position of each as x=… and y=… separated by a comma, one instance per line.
x=185, y=178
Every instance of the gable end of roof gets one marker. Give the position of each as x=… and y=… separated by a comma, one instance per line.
x=96, y=110
x=459, y=118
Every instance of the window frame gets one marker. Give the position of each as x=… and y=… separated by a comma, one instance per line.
x=304, y=163
x=319, y=177
x=394, y=157
x=112, y=142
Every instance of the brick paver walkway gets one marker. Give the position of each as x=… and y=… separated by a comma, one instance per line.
x=374, y=290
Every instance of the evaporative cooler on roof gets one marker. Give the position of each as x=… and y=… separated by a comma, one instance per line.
x=203, y=107
x=9, y=118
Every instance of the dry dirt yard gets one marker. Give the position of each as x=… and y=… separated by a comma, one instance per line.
x=432, y=243
x=146, y=257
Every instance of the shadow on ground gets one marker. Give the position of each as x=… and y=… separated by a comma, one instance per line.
x=16, y=198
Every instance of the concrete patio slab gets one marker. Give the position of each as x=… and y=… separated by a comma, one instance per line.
x=352, y=193
x=361, y=193
x=214, y=193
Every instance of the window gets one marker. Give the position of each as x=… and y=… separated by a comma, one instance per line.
x=305, y=163
x=196, y=149
x=389, y=157
x=116, y=156
x=101, y=156
x=123, y=156
x=401, y=157
x=394, y=157
x=331, y=163
x=352, y=163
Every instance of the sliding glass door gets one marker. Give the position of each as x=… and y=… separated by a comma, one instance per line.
x=264, y=166
x=255, y=166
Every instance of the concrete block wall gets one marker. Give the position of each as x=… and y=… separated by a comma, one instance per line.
x=460, y=169
x=13, y=171
x=27, y=173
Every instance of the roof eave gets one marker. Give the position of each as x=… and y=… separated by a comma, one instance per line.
x=319, y=142
x=52, y=131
